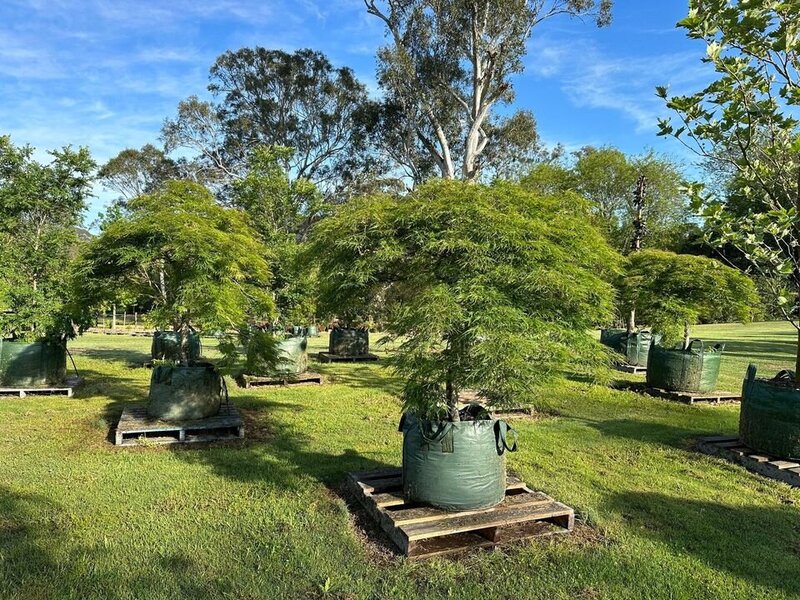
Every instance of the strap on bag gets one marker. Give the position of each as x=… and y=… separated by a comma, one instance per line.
x=501, y=432
x=702, y=346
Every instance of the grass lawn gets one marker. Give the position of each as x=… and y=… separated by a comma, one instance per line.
x=264, y=518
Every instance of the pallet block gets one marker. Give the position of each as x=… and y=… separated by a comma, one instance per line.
x=248, y=381
x=68, y=389
x=422, y=531
x=730, y=448
x=135, y=428
x=327, y=357
x=635, y=369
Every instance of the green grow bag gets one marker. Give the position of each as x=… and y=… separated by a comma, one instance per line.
x=769, y=420
x=693, y=370
x=167, y=346
x=348, y=341
x=312, y=331
x=32, y=364
x=455, y=466
x=185, y=393
x=292, y=358
x=635, y=347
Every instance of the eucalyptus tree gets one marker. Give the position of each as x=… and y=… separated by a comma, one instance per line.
x=745, y=122
x=266, y=97
x=449, y=65
x=134, y=172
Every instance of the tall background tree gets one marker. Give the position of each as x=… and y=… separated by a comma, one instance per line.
x=607, y=178
x=41, y=206
x=273, y=98
x=447, y=68
x=745, y=122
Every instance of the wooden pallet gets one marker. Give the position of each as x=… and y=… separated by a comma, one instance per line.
x=730, y=448
x=68, y=389
x=135, y=428
x=467, y=397
x=422, y=531
x=635, y=369
x=248, y=381
x=328, y=357
x=685, y=397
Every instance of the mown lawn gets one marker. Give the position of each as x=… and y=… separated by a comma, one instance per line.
x=265, y=518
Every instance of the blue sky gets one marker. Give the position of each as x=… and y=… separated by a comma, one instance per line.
x=105, y=73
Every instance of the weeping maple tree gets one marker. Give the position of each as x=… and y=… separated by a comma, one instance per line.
x=487, y=288
x=195, y=262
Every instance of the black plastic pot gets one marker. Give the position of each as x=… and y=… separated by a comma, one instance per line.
x=167, y=346
x=32, y=364
x=635, y=347
x=693, y=370
x=455, y=466
x=348, y=341
x=769, y=420
x=180, y=393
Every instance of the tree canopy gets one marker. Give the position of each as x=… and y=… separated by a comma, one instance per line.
x=448, y=66
x=197, y=264
x=607, y=178
x=745, y=122
x=492, y=288
x=671, y=292
x=281, y=211
x=268, y=97
x=41, y=205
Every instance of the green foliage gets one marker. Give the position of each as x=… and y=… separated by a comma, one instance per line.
x=607, y=178
x=132, y=173
x=672, y=291
x=41, y=205
x=269, y=97
x=195, y=262
x=281, y=211
x=491, y=288
x=447, y=68
x=745, y=124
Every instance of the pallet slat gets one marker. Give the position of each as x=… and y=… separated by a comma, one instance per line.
x=424, y=531
x=772, y=467
x=134, y=425
x=68, y=389
x=686, y=397
x=327, y=357
x=248, y=381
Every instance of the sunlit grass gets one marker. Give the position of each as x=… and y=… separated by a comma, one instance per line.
x=80, y=518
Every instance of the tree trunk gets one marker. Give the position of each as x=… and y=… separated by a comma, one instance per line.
x=686, y=339
x=797, y=361
x=185, y=332
x=113, y=317
x=452, y=402
x=632, y=321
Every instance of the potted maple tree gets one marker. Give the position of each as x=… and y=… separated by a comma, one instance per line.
x=199, y=265
x=491, y=289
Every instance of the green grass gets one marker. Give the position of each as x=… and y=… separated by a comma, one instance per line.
x=80, y=518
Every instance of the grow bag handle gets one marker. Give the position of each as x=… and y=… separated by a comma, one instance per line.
x=72, y=360
x=501, y=431
x=702, y=346
x=225, y=389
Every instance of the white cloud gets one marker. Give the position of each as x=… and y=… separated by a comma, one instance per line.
x=592, y=79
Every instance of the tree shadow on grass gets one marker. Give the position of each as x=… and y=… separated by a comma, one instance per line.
x=756, y=543
x=361, y=375
x=681, y=438
x=40, y=557
x=130, y=358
